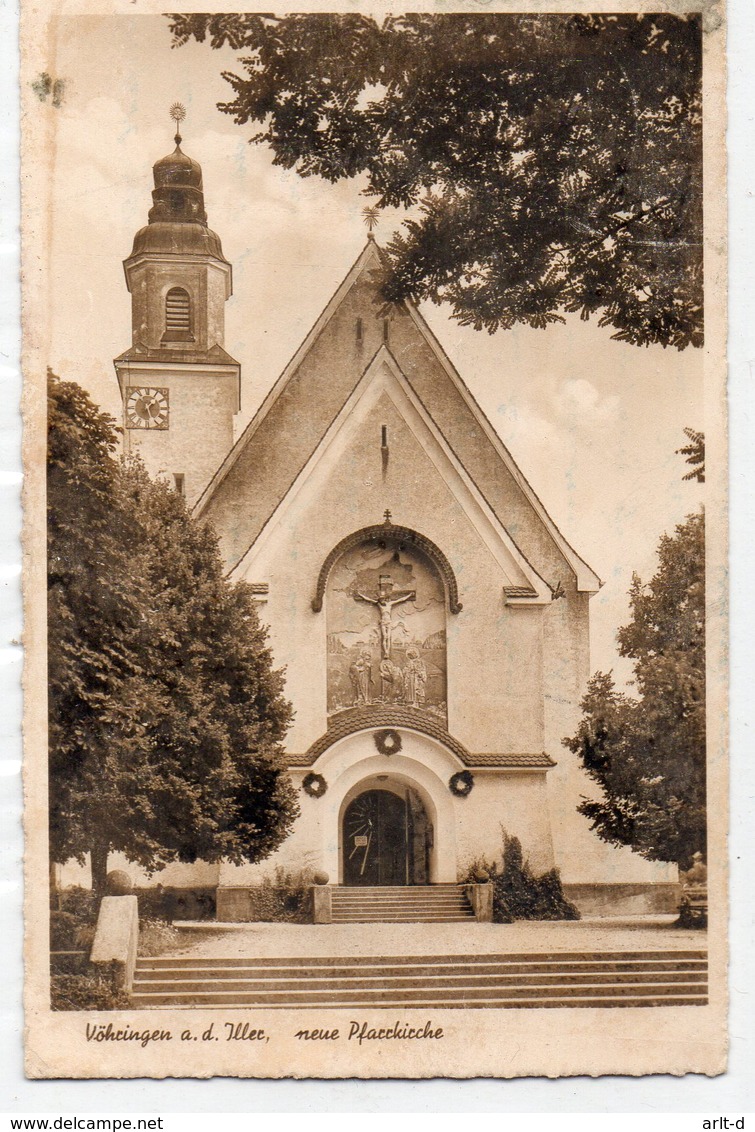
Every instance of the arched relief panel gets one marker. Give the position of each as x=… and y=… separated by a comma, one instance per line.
x=385, y=619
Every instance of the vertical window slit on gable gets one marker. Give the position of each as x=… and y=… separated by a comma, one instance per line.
x=360, y=332
x=385, y=330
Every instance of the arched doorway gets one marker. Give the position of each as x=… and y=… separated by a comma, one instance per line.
x=386, y=838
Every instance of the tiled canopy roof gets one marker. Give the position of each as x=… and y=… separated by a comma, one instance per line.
x=377, y=535
x=394, y=715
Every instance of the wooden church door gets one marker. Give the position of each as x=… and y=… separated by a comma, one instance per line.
x=381, y=831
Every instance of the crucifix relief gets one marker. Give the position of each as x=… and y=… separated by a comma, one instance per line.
x=386, y=626
x=384, y=601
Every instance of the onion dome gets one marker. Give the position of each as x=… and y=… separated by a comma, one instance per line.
x=177, y=221
x=177, y=196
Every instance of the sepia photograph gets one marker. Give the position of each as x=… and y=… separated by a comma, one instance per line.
x=375, y=417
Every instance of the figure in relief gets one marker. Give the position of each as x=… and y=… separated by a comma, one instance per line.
x=415, y=678
x=391, y=681
x=385, y=601
x=360, y=674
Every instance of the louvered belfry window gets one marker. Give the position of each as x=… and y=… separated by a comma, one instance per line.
x=177, y=315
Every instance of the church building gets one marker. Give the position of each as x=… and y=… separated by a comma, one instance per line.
x=431, y=617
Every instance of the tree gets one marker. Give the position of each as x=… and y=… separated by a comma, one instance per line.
x=648, y=754
x=554, y=160
x=166, y=715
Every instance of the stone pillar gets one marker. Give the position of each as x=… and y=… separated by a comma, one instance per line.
x=322, y=904
x=480, y=896
x=116, y=938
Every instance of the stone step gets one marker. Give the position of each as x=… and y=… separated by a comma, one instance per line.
x=561, y=958
x=421, y=896
x=185, y=984
x=352, y=913
x=439, y=1004
x=400, y=917
x=443, y=902
x=640, y=994
x=372, y=975
x=670, y=978
x=389, y=892
x=305, y=970
x=400, y=902
x=451, y=898
x=388, y=888
x=393, y=904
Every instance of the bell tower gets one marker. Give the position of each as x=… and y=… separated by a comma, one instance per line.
x=179, y=387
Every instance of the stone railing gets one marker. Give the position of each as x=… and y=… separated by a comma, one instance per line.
x=116, y=939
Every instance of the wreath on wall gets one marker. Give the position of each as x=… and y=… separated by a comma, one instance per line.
x=388, y=742
x=314, y=785
x=461, y=783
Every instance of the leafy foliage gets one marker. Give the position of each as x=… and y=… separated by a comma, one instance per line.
x=553, y=162
x=648, y=754
x=695, y=454
x=169, y=903
x=517, y=893
x=86, y=992
x=156, y=937
x=166, y=715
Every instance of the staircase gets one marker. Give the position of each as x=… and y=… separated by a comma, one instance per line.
x=622, y=978
x=438, y=903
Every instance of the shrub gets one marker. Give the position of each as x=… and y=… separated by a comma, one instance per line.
x=86, y=992
x=63, y=928
x=519, y=895
x=156, y=937
x=81, y=903
x=170, y=904
x=282, y=898
x=478, y=867
x=69, y=962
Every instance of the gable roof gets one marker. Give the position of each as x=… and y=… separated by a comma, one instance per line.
x=383, y=375
x=476, y=444
x=369, y=258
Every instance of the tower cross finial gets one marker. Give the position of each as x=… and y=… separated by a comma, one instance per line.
x=177, y=113
x=387, y=516
x=371, y=215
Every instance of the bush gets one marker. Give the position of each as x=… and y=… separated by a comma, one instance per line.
x=478, y=867
x=69, y=962
x=86, y=992
x=156, y=937
x=63, y=928
x=519, y=895
x=170, y=904
x=81, y=903
x=282, y=898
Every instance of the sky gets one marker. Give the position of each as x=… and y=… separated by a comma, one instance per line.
x=592, y=423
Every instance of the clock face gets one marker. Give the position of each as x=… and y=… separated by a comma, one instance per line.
x=146, y=407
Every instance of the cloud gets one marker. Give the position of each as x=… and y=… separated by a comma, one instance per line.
x=578, y=402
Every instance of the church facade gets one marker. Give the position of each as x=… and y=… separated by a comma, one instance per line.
x=432, y=619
